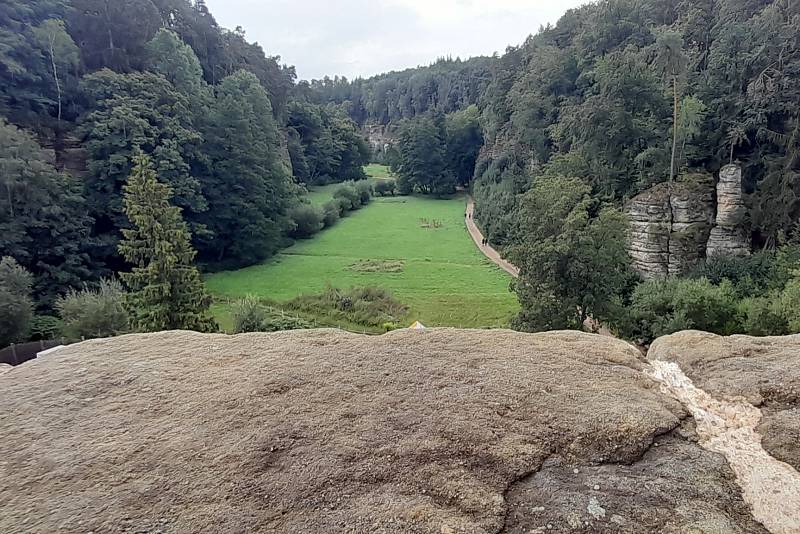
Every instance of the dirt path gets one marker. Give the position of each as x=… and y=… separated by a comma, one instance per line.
x=487, y=250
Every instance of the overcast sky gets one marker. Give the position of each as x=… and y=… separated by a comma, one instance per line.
x=366, y=37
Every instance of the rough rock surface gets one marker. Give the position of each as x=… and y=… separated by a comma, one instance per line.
x=606, y=498
x=324, y=431
x=669, y=232
x=648, y=240
x=764, y=371
x=731, y=210
x=4, y=368
x=692, y=219
x=729, y=237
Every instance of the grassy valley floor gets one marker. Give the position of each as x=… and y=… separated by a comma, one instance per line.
x=416, y=247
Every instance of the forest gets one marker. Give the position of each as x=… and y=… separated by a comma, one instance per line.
x=119, y=117
x=88, y=86
x=619, y=96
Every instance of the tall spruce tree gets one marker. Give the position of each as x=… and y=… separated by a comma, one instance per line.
x=165, y=288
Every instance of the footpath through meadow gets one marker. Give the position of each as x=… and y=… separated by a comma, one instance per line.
x=487, y=249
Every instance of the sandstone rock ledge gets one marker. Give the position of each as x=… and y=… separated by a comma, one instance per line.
x=764, y=371
x=436, y=431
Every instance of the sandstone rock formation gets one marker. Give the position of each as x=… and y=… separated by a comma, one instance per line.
x=670, y=233
x=648, y=239
x=416, y=431
x=729, y=237
x=380, y=137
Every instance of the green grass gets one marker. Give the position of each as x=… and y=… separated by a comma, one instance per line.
x=444, y=280
x=380, y=172
x=320, y=194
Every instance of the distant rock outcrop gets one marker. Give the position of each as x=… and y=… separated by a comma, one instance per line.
x=729, y=236
x=668, y=233
x=648, y=240
x=671, y=233
x=380, y=137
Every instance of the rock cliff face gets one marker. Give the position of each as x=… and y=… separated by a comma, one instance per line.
x=670, y=234
x=443, y=431
x=729, y=236
x=380, y=137
x=648, y=239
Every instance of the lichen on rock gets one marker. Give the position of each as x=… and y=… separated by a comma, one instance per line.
x=325, y=431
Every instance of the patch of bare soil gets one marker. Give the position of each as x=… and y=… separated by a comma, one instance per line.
x=325, y=431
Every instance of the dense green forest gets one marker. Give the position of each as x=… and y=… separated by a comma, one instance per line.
x=593, y=97
x=87, y=84
x=622, y=95
x=446, y=86
x=551, y=138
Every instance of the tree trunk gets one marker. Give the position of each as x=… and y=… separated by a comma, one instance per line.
x=55, y=74
x=674, y=127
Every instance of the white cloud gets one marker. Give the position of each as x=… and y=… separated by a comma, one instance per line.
x=363, y=37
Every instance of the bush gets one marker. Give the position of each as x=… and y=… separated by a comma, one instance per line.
x=368, y=306
x=331, y=213
x=364, y=190
x=308, y=220
x=404, y=187
x=764, y=317
x=277, y=321
x=248, y=315
x=790, y=303
x=751, y=275
x=349, y=193
x=385, y=187
x=343, y=204
x=16, y=305
x=44, y=327
x=91, y=313
x=662, y=307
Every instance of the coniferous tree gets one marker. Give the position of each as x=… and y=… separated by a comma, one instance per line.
x=165, y=288
x=423, y=158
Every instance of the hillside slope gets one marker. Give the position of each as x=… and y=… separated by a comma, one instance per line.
x=323, y=431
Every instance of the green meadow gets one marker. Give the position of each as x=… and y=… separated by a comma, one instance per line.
x=416, y=247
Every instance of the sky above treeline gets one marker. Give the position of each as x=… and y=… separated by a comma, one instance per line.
x=366, y=37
